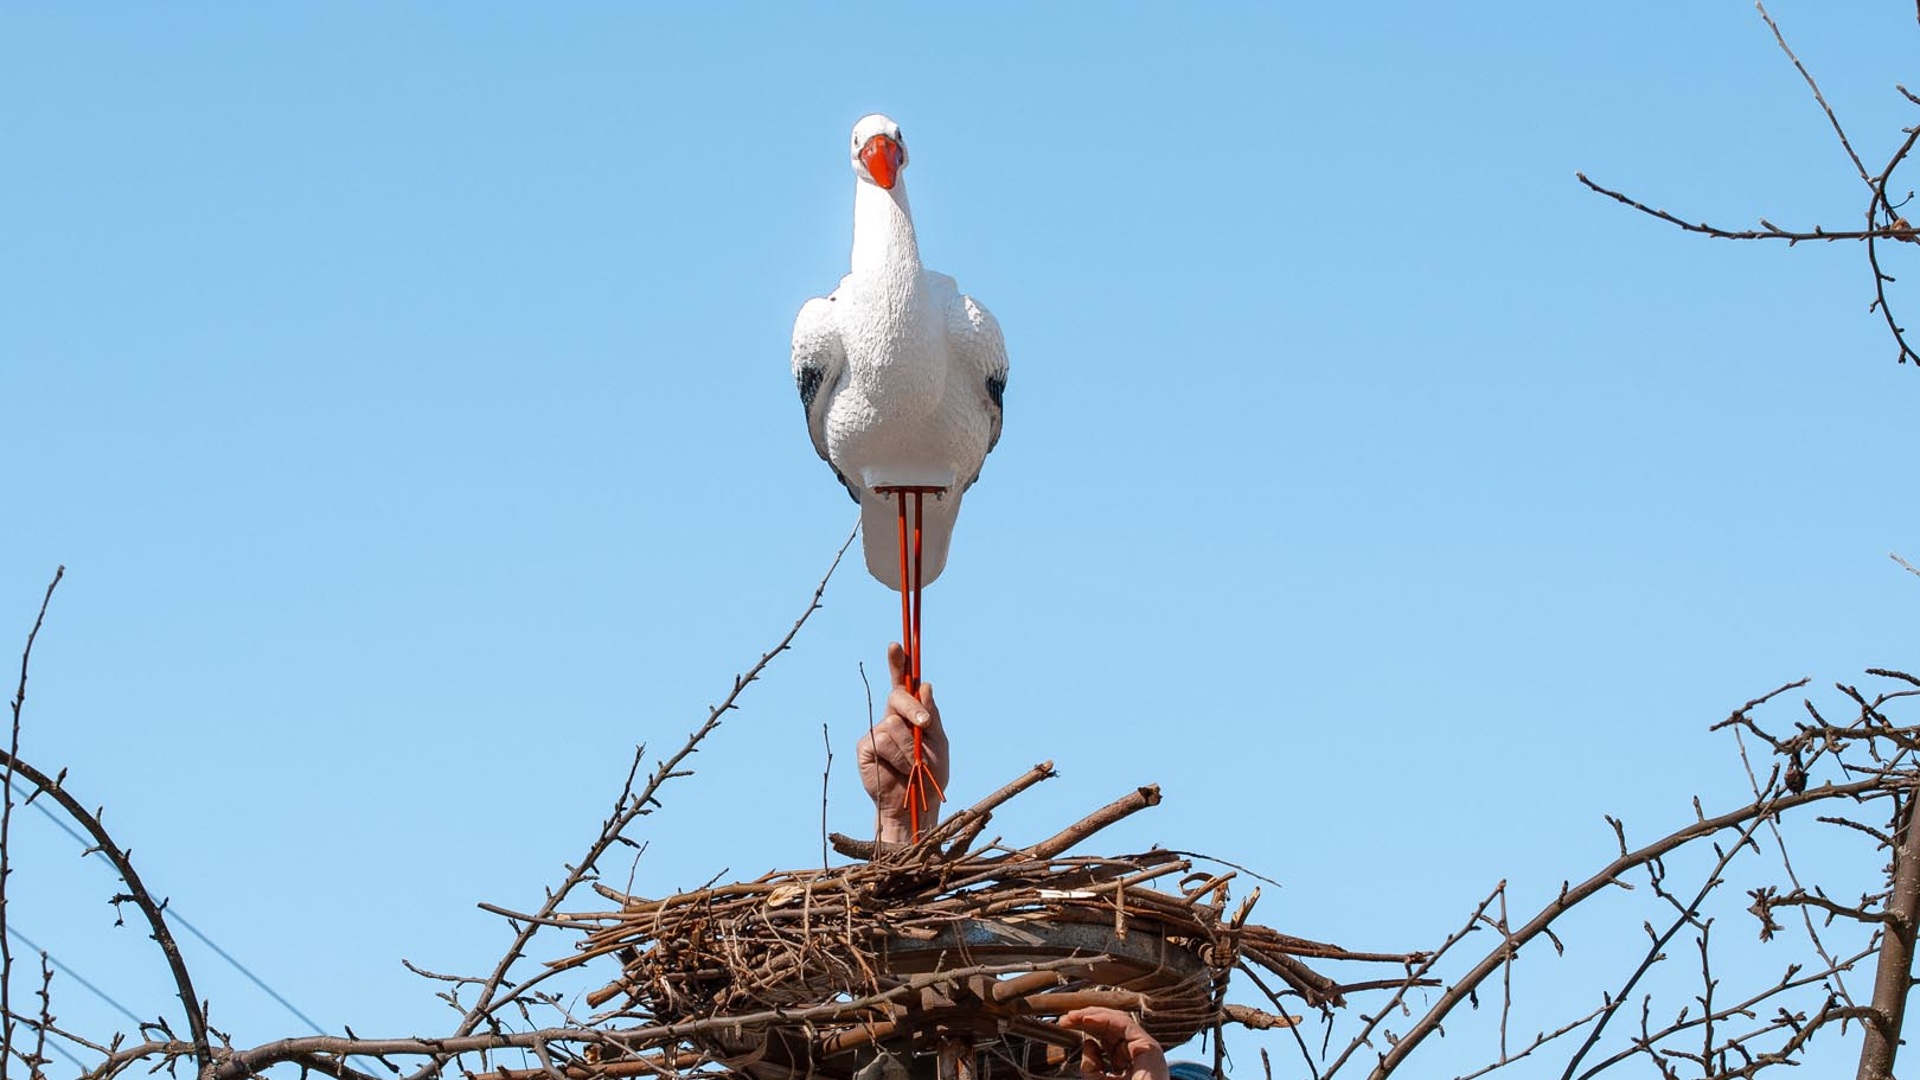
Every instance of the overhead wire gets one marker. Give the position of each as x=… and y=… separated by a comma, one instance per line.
x=54, y=1045
x=74, y=975
x=173, y=913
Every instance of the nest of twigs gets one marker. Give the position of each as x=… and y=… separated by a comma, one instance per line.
x=937, y=959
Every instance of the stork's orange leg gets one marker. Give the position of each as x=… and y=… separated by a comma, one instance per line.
x=922, y=786
x=906, y=609
x=913, y=651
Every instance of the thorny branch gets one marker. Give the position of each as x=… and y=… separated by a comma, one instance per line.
x=137, y=894
x=6, y=832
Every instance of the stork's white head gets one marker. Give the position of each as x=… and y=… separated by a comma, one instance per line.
x=879, y=151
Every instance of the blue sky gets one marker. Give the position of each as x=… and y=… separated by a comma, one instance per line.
x=405, y=390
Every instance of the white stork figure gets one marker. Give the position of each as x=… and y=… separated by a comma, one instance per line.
x=901, y=375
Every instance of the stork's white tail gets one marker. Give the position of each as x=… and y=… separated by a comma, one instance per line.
x=880, y=534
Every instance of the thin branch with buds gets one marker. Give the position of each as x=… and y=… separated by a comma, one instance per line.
x=6, y=831
x=1883, y=219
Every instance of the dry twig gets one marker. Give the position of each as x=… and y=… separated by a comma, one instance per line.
x=1884, y=221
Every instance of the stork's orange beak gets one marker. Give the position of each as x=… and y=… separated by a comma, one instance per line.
x=883, y=157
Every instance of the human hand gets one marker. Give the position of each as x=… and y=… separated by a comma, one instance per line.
x=1116, y=1047
x=886, y=754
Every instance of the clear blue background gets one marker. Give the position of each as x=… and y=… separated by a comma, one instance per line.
x=405, y=389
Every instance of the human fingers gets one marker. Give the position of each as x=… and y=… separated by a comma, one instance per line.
x=1116, y=1045
x=1103, y=1029
x=897, y=663
x=932, y=707
x=1093, y=1060
x=904, y=706
x=933, y=734
x=1093, y=1028
x=920, y=714
x=1104, y=1024
x=1145, y=1059
x=889, y=745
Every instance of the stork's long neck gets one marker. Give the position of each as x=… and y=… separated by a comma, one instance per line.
x=883, y=240
x=898, y=371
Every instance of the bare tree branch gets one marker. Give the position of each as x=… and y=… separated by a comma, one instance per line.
x=137, y=894
x=6, y=830
x=1817, y=96
x=1749, y=815
x=1895, y=973
x=1883, y=219
x=627, y=808
x=1767, y=230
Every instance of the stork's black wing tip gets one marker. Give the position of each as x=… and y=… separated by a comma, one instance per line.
x=809, y=382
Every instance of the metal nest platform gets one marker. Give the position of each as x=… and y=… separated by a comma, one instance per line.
x=934, y=960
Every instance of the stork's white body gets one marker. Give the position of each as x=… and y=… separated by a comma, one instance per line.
x=901, y=375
